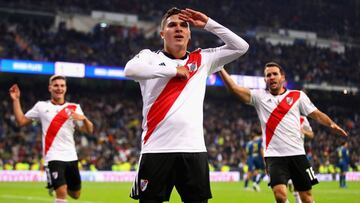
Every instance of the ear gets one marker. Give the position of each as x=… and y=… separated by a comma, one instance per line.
x=162, y=34
x=49, y=88
x=283, y=77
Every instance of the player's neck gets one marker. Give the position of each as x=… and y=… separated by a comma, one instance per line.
x=58, y=101
x=175, y=53
x=278, y=92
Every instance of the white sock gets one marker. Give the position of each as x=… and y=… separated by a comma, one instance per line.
x=60, y=201
x=297, y=197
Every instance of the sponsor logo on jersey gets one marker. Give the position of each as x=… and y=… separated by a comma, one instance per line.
x=162, y=64
x=143, y=184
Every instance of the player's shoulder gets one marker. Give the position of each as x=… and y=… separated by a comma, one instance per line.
x=296, y=91
x=149, y=52
x=198, y=50
x=42, y=103
x=72, y=104
x=259, y=92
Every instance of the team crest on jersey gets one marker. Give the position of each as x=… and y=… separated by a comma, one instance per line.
x=143, y=184
x=68, y=111
x=54, y=174
x=193, y=67
x=289, y=100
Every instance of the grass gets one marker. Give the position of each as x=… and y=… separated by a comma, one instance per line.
x=95, y=192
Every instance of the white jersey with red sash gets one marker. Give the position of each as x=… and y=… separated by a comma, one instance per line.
x=57, y=129
x=173, y=108
x=279, y=117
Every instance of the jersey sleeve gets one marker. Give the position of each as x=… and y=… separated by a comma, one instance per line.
x=255, y=96
x=34, y=113
x=146, y=65
x=306, y=106
x=234, y=47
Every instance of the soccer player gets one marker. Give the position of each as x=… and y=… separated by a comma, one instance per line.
x=343, y=162
x=173, y=83
x=58, y=119
x=254, y=161
x=279, y=112
x=306, y=132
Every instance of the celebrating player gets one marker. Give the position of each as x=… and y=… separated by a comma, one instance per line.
x=58, y=119
x=279, y=111
x=173, y=83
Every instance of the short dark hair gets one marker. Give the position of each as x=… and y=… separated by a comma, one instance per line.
x=172, y=11
x=56, y=77
x=272, y=64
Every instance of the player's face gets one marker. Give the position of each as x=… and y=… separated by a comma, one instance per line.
x=57, y=89
x=176, y=33
x=273, y=79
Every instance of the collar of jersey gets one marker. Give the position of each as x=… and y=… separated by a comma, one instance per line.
x=278, y=94
x=56, y=104
x=172, y=57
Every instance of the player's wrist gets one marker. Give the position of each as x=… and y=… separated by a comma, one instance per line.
x=16, y=99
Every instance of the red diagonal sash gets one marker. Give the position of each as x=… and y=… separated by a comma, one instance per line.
x=301, y=120
x=56, y=124
x=278, y=114
x=168, y=96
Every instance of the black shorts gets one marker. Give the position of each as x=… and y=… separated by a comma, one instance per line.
x=159, y=172
x=296, y=168
x=63, y=173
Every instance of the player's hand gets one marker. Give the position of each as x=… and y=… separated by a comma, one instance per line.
x=14, y=92
x=195, y=18
x=77, y=117
x=182, y=73
x=336, y=129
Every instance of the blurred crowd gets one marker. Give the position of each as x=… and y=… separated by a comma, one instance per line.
x=116, y=114
x=318, y=16
x=35, y=38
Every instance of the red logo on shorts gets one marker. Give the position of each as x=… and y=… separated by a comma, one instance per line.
x=143, y=184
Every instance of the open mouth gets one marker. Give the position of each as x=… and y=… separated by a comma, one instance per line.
x=273, y=83
x=179, y=37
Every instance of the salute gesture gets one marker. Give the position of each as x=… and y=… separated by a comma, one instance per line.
x=195, y=18
x=173, y=83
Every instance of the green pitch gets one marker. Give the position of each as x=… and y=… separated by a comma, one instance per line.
x=222, y=193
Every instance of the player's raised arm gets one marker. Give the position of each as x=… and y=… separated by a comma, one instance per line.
x=21, y=120
x=234, y=46
x=145, y=66
x=195, y=18
x=324, y=119
x=242, y=93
